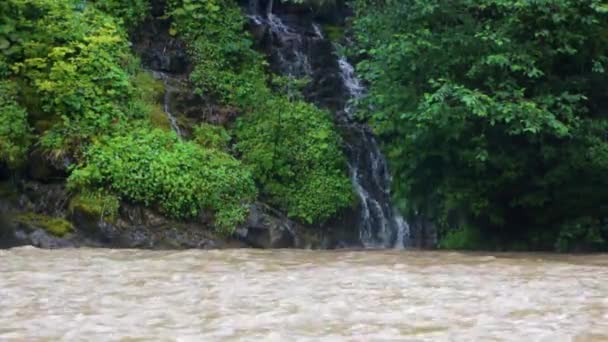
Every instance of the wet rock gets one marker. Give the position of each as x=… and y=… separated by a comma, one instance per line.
x=139, y=227
x=42, y=239
x=423, y=233
x=34, y=210
x=159, y=50
x=49, y=199
x=267, y=228
x=26, y=232
x=40, y=168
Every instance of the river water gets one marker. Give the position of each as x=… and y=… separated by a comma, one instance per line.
x=125, y=295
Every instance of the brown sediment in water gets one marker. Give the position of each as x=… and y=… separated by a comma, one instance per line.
x=290, y=295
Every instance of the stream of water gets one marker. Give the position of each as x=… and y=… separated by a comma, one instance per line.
x=295, y=47
x=255, y=295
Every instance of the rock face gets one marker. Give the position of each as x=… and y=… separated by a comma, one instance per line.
x=158, y=49
x=139, y=227
x=268, y=228
x=135, y=226
x=423, y=233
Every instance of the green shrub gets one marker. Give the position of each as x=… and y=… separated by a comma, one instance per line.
x=15, y=132
x=490, y=108
x=211, y=136
x=225, y=65
x=131, y=12
x=157, y=168
x=292, y=147
x=582, y=234
x=295, y=154
x=466, y=238
x=74, y=67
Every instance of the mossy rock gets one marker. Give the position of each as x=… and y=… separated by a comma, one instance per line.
x=96, y=205
x=151, y=89
x=158, y=118
x=334, y=33
x=54, y=225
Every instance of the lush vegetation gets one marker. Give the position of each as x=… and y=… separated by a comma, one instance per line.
x=14, y=129
x=291, y=146
x=71, y=88
x=295, y=153
x=155, y=167
x=493, y=114
x=73, y=68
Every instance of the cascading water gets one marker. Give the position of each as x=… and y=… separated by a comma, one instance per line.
x=293, y=49
x=380, y=222
x=167, y=100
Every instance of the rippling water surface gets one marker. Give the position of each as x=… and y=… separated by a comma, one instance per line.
x=300, y=295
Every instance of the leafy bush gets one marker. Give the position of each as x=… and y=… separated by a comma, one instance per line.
x=491, y=108
x=131, y=12
x=467, y=238
x=225, y=65
x=15, y=132
x=295, y=154
x=582, y=234
x=212, y=136
x=292, y=147
x=155, y=167
x=75, y=70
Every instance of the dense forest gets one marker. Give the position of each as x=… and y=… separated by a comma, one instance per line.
x=492, y=115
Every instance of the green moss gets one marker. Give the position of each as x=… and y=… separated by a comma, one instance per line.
x=54, y=225
x=158, y=118
x=96, y=205
x=333, y=33
x=150, y=88
x=211, y=136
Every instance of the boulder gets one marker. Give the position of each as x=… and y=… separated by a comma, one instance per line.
x=267, y=228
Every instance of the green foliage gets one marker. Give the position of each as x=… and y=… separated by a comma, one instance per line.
x=225, y=65
x=315, y=4
x=582, y=234
x=155, y=167
x=150, y=95
x=212, y=136
x=151, y=90
x=466, y=238
x=131, y=12
x=291, y=146
x=15, y=132
x=54, y=225
x=75, y=68
x=492, y=109
x=295, y=154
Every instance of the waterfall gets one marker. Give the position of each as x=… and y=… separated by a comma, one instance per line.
x=159, y=75
x=377, y=213
x=294, y=48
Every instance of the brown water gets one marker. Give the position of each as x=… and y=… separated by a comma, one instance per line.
x=300, y=296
